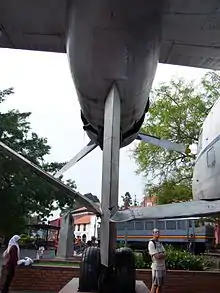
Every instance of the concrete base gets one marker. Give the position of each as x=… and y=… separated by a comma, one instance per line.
x=65, y=245
x=73, y=285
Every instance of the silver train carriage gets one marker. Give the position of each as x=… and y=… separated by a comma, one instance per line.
x=178, y=232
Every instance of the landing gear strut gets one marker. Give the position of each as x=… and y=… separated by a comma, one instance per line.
x=117, y=270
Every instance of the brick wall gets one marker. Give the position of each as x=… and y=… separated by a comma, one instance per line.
x=45, y=278
x=185, y=281
x=52, y=279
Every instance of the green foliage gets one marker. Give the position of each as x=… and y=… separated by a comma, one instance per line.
x=127, y=200
x=77, y=205
x=177, y=112
x=142, y=261
x=170, y=191
x=175, y=260
x=92, y=197
x=183, y=260
x=122, y=244
x=22, y=192
x=25, y=240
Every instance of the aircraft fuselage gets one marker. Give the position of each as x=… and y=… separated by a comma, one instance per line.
x=111, y=41
x=206, y=175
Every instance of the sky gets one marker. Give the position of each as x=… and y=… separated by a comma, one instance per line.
x=43, y=86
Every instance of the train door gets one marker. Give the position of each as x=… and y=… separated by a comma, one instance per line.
x=191, y=236
x=182, y=232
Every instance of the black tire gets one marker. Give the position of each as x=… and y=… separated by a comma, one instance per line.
x=107, y=280
x=90, y=269
x=125, y=270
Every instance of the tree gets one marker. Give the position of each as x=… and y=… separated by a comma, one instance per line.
x=177, y=112
x=170, y=191
x=22, y=192
x=76, y=205
x=92, y=197
x=33, y=220
x=127, y=200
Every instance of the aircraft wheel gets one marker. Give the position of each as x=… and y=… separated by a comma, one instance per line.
x=107, y=282
x=125, y=270
x=90, y=269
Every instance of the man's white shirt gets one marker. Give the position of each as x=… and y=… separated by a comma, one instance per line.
x=157, y=264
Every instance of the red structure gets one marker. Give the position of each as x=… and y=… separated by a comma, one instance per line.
x=149, y=201
x=217, y=234
x=80, y=216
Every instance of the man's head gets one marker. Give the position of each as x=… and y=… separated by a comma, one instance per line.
x=156, y=233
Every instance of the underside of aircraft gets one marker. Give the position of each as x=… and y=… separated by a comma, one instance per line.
x=113, y=48
x=190, y=29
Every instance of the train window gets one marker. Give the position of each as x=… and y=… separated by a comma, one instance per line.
x=202, y=223
x=210, y=156
x=121, y=226
x=197, y=223
x=171, y=225
x=181, y=225
x=160, y=225
x=149, y=225
x=130, y=225
x=190, y=223
x=139, y=225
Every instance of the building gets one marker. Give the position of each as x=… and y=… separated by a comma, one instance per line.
x=149, y=201
x=85, y=223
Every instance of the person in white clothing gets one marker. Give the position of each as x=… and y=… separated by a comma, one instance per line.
x=40, y=252
x=158, y=255
x=27, y=261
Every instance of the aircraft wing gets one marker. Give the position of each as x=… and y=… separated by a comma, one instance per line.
x=190, y=33
x=85, y=201
x=169, y=211
x=33, y=25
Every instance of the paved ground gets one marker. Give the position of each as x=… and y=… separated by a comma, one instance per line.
x=29, y=253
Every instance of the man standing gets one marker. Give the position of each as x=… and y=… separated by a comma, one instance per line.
x=158, y=255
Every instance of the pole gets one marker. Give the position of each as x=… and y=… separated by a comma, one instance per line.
x=110, y=175
x=95, y=224
x=126, y=234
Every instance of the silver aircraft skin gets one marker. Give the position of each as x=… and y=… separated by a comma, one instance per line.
x=113, y=47
x=206, y=177
x=121, y=46
x=115, y=41
x=119, y=42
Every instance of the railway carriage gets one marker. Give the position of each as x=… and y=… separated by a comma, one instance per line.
x=178, y=232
